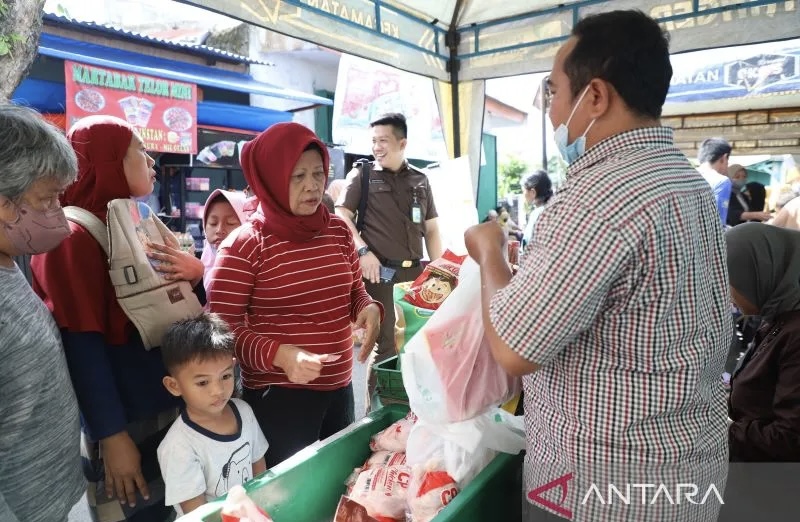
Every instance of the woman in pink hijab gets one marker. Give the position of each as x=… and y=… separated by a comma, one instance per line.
x=224, y=212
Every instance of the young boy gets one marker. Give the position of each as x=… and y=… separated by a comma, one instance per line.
x=216, y=442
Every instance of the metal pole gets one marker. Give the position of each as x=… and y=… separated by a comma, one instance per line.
x=452, y=39
x=452, y=66
x=543, y=90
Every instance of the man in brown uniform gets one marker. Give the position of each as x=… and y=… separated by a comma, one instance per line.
x=400, y=213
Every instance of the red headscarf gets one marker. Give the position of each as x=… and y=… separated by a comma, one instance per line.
x=100, y=143
x=73, y=279
x=268, y=162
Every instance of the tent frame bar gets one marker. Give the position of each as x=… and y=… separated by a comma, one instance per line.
x=575, y=8
x=438, y=31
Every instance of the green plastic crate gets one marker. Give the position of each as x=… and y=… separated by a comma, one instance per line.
x=307, y=487
x=389, y=378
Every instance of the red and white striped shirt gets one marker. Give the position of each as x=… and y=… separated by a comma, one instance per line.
x=274, y=292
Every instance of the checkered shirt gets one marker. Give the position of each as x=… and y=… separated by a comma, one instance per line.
x=622, y=299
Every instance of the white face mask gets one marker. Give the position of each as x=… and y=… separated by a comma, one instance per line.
x=572, y=151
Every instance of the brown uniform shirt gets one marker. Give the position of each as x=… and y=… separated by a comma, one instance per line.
x=389, y=230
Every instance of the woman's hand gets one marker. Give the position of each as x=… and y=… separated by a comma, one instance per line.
x=300, y=366
x=123, y=468
x=175, y=264
x=370, y=320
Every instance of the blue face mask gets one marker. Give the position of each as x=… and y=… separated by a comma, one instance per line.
x=571, y=151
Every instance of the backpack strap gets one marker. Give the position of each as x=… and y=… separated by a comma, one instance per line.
x=91, y=223
x=366, y=170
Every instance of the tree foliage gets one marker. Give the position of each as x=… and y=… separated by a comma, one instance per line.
x=509, y=176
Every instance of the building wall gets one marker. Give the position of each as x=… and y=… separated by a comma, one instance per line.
x=295, y=67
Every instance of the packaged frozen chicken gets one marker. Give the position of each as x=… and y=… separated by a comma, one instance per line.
x=382, y=490
x=395, y=437
x=429, y=491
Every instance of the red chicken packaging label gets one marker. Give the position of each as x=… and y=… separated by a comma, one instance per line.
x=436, y=282
x=434, y=490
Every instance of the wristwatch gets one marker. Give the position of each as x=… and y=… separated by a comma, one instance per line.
x=363, y=251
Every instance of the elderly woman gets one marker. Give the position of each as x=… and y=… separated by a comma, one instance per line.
x=741, y=207
x=40, y=429
x=126, y=410
x=289, y=283
x=538, y=190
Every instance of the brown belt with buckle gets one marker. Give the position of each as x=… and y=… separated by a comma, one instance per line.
x=404, y=263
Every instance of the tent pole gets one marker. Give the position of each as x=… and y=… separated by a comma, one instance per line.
x=452, y=39
x=452, y=65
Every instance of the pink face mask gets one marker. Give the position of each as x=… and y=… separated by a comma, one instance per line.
x=36, y=231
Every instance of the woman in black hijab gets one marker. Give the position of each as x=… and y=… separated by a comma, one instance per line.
x=764, y=273
x=764, y=404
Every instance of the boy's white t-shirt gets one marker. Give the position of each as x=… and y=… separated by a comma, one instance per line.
x=196, y=461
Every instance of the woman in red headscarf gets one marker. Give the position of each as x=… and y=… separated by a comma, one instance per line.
x=124, y=406
x=289, y=284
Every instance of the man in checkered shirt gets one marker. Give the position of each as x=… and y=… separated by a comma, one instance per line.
x=618, y=318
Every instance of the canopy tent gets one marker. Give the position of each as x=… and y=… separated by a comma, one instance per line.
x=460, y=43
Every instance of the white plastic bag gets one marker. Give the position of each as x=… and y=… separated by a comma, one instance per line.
x=448, y=369
x=465, y=448
x=459, y=450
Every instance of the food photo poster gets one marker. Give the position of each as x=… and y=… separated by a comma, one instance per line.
x=164, y=111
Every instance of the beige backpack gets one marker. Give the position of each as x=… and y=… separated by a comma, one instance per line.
x=151, y=302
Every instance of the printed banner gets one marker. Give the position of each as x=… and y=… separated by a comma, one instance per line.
x=164, y=111
x=365, y=90
x=751, y=71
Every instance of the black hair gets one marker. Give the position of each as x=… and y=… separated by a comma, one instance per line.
x=313, y=146
x=396, y=120
x=217, y=199
x=629, y=50
x=712, y=149
x=201, y=338
x=539, y=181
